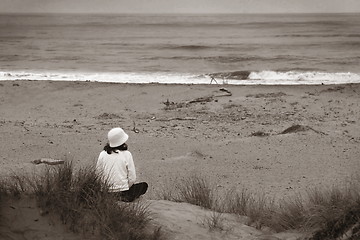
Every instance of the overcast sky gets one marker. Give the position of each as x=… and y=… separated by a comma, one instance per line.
x=180, y=6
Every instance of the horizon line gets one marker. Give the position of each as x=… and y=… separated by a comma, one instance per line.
x=172, y=13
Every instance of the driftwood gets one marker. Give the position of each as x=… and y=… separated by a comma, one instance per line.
x=225, y=90
x=177, y=118
x=174, y=105
x=48, y=161
x=211, y=97
x=201, y=99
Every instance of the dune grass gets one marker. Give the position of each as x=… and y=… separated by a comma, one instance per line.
x=12, y=186
x=327, y=213
x=215, y=222
x=81, y=201
x=195, y=190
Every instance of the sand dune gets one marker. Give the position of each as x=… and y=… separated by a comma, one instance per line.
x=22, y=219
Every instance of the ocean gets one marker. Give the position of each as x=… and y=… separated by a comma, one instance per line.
x=188, y=49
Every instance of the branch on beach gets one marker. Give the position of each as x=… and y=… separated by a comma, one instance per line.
x=177, y=118
x=174, y=105
x=201, y=99
x=211, y=97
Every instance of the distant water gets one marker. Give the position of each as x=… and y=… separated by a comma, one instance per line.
x=234, y=49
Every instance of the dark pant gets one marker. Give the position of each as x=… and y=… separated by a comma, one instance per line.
x=135, y=191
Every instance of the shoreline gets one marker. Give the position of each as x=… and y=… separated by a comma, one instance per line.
x=187, y=84
x=260, y=77
x=236, y=141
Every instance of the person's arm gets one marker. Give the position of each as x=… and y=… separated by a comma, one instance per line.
x=131, y=170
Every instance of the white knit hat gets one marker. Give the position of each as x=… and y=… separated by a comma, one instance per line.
x=117, y=137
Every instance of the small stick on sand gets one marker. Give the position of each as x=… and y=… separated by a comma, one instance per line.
x=135, y=129
x=178, y=118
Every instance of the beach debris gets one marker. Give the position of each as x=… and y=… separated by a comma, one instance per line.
x=210, y=98
x=260, y=134
x=174, y=105
x=135, y=130
x=299, y=128
x=201, y=99
x=49, y=161
x=225, y=90
x=168, y=103
x=177, y=118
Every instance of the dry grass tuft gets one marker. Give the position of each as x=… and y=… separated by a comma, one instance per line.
x=332, y=213
x=215, y=222
x=195, y=190
x=82, y=202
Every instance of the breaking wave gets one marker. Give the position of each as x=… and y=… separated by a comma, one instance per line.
x=306, y=77
x=287, y=77
x=231, y=77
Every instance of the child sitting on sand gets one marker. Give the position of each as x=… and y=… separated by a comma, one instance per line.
x=117, y=165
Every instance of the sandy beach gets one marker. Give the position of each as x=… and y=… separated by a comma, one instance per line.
x=235, y=140
x=274, y=140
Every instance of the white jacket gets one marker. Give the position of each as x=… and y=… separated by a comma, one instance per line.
x=118, y=169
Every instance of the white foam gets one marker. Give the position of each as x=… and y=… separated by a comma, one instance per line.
x=255, y=78
x=123, y=77
x=293, y=77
